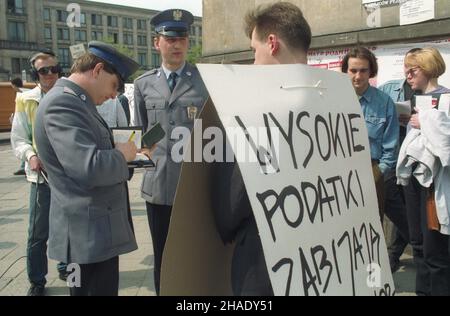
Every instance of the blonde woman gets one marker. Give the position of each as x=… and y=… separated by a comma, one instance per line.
x=430, y=247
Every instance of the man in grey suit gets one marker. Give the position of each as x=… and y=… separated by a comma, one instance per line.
x=89, y=222
x=173, y=96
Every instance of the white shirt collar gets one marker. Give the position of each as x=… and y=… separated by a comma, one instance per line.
x=167, y=72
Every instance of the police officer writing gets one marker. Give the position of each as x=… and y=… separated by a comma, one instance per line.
x=89, y=223
x=173, y=96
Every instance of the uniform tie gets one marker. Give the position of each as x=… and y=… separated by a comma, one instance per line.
x=172, y=81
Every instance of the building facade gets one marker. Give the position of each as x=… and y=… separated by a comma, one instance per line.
x=334, y=24
x=28, y=25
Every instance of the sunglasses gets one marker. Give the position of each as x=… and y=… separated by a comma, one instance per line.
x=53, y=69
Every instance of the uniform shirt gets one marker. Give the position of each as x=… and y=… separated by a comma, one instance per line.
x=167, y=72
x=382, y=126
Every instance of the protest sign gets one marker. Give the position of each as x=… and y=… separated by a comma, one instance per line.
x=312, y=190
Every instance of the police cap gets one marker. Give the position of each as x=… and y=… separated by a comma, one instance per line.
x=123, y=65
x=173, y=22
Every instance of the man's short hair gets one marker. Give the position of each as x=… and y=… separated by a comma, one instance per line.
x=361, y=53
x=88, y=61
x=283, y=19
x=43, y=56
x=429, y=59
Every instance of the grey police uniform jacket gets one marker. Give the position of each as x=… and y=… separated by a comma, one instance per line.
x=154, y=103
x=88, y=210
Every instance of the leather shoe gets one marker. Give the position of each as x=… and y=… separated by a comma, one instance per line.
x=63, y=275
x=36, y=290
x=20, y=172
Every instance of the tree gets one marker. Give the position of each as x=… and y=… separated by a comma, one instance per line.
x=127, y=52
x=195, y=54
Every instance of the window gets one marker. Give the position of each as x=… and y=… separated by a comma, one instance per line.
x=156, y=60
x=114, y=37
x=48, y=33
x=199, y=33
x=127, y=23
x=128, y=38
x=141, y=24
x=192, y=42
x=64, y=57
x=192, y=31
x=61, y=16
x=96, y=19
x=112, y=21
x=16, y=31
x=19, y=64
x=47, y=16
x=83, y=18
x=16, y=7
x=63, y=35
x=142, y=40
x=97, y=36
x=80, y=35
x=142, y=59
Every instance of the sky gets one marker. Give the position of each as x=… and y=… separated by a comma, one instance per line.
x=194, y=6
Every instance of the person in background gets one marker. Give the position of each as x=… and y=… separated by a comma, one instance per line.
x=380, y=116
x=399, y=91
x=112, y=112
x=430, y=247
x=125, y=106
x=17, y=85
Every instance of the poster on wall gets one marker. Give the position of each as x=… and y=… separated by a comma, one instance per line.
x=390, y=59
x=416, y=11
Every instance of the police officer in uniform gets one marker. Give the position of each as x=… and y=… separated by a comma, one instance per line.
x=173, y=96
x=87, y=172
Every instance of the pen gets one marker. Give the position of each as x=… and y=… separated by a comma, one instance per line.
x=132, y=136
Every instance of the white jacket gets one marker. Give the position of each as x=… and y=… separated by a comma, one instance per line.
x=430, y=148
x=22, y=131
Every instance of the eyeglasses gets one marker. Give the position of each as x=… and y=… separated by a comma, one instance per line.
x=53, y=69
x=412, y=71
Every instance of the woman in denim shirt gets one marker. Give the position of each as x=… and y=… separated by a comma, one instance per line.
x=430, y=248
x=379, y=113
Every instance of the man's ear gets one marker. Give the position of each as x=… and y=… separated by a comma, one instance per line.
x=156, y=43
x=97, y=69
x=274, y=45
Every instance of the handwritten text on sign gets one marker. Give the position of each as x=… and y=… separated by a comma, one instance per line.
x=313, y=197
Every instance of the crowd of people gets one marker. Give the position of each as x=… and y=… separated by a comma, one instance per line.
x=79, y=197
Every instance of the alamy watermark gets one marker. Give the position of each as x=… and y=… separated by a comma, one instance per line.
x=242, y=144
x=74, y=17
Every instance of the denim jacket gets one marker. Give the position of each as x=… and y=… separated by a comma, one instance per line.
x=383, y=127
x=394, y=89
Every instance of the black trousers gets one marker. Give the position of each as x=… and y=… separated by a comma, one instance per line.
x=395, y=210
x=158, y=221
x=98, y=279
x=430, y=248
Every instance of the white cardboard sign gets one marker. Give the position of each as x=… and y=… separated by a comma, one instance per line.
x=315, y=201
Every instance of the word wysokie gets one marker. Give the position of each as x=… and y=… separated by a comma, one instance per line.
x=232, y=305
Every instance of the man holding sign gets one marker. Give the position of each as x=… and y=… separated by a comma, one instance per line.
x=279, y=34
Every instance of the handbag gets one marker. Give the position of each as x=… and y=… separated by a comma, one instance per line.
x=432, y=218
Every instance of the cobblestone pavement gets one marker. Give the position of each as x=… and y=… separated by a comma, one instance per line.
x=136, y=268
